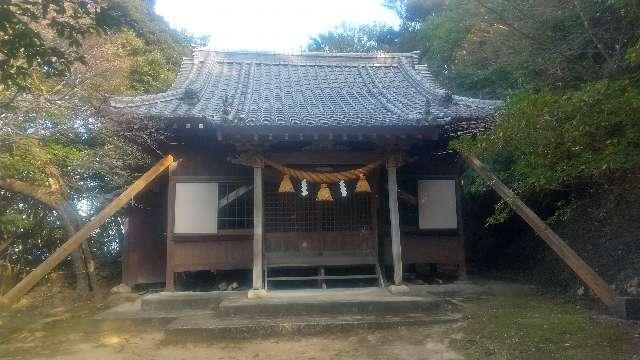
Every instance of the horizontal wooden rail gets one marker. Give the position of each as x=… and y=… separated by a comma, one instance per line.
x=76, y=239
x=575, y=262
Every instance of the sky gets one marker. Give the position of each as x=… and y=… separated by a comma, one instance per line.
x=268, y=25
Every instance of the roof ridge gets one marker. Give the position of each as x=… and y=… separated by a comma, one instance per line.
x=413, y=54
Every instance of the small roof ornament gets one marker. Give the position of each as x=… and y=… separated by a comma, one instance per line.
x=446, y=99
x=190, y=96
x=426, y=112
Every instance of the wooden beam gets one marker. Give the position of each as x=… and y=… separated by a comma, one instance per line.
x=573, y=260
x=396, y=248
x=403, y=195
x=76, y=239
x=257, y=228
x=234, y=195
x=408, y=198
x=325, y=157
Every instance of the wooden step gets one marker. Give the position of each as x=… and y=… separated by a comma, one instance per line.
x=321, y=276
x=324, y=277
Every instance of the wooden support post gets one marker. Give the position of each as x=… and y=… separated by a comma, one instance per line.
x=170, y=275
x=396, y=248
x=76, y=239
x=258, y=282
x=582, y=269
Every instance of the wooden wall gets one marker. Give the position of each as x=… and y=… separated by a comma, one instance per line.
x=144, y=250
x=425, y=246
x=206, y=160
x=148, y=245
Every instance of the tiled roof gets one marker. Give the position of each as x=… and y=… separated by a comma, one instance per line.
x=310, y=89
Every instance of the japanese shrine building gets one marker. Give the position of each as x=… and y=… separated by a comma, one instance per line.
x=301, y=161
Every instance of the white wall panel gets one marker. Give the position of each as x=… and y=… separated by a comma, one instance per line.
x=437, y=204
x=196, y=208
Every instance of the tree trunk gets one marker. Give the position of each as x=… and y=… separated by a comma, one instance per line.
x=83, y=263
x=55, y=196
x=79, y=270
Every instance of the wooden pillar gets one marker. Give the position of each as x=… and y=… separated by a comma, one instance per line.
x=396, y=248
x=169, y=279
x=258, y=282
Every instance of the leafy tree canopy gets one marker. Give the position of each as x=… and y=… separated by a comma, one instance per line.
x=569, y=74
x=366, y=38
x=44, y=35
x=494, y=48
x=59, y=150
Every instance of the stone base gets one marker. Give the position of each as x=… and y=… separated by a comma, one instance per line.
x=398, y=289
x=257, y=294
x=212, y=328
x=626, y=308
x=329, y=302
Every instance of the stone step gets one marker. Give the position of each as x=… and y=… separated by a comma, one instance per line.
x=329, y=302
x=214, y=327
x=179, y=301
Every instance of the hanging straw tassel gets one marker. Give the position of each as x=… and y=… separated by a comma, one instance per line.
x=363, y=184
x=324, y=194
x=286, y=186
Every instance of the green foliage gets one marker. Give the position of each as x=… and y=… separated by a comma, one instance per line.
x=366, y=38
x=412, y=13
x=158, y=51
x=30, y=230
x=569, y=72
x=493, y=48
x=41, y=35
x=28, y=160
x=53, y=132
x=151, y=70
x=633, y=54
x=552, y=141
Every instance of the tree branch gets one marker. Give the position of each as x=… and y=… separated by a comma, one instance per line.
x=4, y=245
x=589, y=29
x=45, y=195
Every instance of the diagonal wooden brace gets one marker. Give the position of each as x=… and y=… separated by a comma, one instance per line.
x=76, y=239
x=573, y=260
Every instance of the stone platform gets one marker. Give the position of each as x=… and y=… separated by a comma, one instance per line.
x=231, y=314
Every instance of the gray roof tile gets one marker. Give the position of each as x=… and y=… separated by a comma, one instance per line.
x=310, y=89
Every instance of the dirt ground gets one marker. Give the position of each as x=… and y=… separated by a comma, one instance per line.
x=78, y=343
x=504, y=327
x=405, y=343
